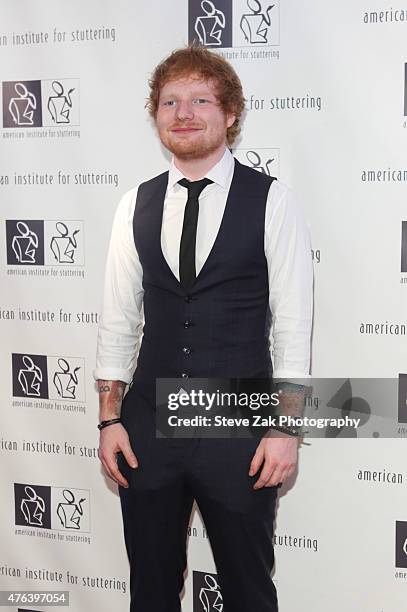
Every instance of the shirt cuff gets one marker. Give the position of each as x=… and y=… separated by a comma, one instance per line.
x=295, y=378
x=112, y=374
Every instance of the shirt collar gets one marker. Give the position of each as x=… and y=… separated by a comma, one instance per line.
x=221, y=173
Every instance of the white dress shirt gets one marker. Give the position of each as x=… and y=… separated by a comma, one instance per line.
x=286, y=246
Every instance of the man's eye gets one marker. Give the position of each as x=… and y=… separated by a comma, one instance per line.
x=200, y=100
x=169, y=103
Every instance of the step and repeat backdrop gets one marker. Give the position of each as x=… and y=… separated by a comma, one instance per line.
x=327, y=113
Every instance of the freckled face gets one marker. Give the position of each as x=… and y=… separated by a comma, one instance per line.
x=189, y=119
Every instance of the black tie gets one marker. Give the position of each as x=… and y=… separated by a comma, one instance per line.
x=187, y=271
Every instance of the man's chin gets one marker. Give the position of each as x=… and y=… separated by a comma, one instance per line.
x=188, y=154
x=188, y=151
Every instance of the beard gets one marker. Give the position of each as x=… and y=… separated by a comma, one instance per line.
x=193, y=146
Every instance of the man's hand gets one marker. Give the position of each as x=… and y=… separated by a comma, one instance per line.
x=114, y=439
x=279, y=453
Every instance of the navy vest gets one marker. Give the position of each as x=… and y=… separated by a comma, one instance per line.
x=220, y=328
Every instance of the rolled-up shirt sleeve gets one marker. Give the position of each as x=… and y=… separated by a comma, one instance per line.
x=290, y=272
x=121, y=318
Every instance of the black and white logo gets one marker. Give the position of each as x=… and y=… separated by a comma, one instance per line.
x=22, y=104
x=48, y=377
x=404, y=246
x=402, y=398
x=72, y=509
x=60, y=102
x=47, y=507
x=33, y=242
x=405, y=90
x=210, y=22
x=25, y=242
x=32, y=505
x=256, y=22
x=237, y=23
x=207, y=596
x=45, y=103
x=401, y=543
x=266, y=161
x=64, y=243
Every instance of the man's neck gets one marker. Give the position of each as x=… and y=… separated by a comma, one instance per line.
x=195, y=169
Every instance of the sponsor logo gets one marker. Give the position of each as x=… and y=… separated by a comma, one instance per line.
x=55, y=508
x=207, y=595
x=44, y=243
x=46, y=377
x=266, y=161
x=41, y=103
x=405, y=90
x=238, y=23
x=404, y=246
x=210, y=23
x=401, y=544
x=402, y=399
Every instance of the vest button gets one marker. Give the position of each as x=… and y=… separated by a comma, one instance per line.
x=186, y=350
x=185, y=375
x=188, y=299
x=187, y=324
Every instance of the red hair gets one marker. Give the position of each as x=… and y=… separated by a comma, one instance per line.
x=197, y=59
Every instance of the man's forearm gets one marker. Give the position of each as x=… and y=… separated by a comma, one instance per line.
x=291, y=403
x=110, y=398
x=292, y=399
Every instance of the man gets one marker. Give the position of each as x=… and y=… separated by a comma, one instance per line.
x=208, y=250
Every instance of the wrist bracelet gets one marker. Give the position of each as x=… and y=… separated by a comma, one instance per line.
x=290, y=431
x=103, y=424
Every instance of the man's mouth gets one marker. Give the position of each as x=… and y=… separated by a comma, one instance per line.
x=185, y=130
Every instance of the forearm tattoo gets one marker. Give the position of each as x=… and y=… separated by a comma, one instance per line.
x=104, y=388
x=113, y=391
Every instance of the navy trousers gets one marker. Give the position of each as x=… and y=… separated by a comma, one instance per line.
x=156, y=510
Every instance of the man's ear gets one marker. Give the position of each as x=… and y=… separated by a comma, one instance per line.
x=230, y=119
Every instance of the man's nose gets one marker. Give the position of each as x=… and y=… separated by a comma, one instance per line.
x=184, y=109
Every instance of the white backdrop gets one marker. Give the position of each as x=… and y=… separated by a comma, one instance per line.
x=74, y=137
